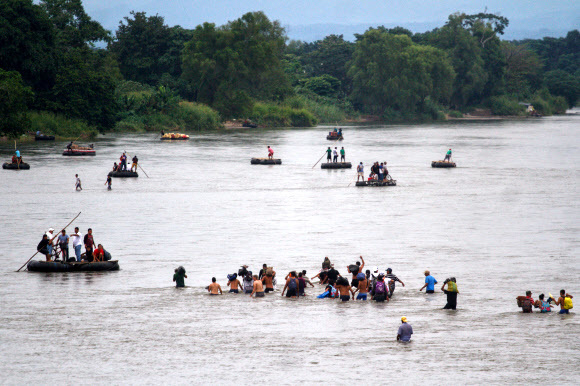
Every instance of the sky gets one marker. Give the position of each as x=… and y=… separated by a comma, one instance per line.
x=311, y=17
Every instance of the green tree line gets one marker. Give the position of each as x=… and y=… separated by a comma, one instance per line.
x=57, y=64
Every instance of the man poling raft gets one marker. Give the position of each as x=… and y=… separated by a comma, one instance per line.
x=121, y=169
x=16, y=163
x=332, y=159
x=379, y=175
x=446, y=163
x=73, y=149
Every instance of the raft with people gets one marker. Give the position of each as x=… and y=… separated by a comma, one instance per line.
x=442, y=164
x=123, y=174
x=15, y=165
x=76, y=150
x=174, y=137
x=74, y=266
x=266, y=161
x=335, y=135
x=336, y=165
x=387, y=182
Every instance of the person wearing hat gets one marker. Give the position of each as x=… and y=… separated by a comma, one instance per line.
x=448, y=156
x=50, y=234
x=430, y=282
x=405, y=331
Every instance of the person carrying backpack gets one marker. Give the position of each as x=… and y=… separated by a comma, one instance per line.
x=380, y=293
x=292, y=286
x=565, y=302
x=544, y=305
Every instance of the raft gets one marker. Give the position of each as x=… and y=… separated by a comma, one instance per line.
x=83, y=151
x=84, y=266
x=377, y=183
x=249, y=124
x=334, y=137
x=266, y=161
x=123, y=174
x=336, y=165
x=174, y=137
x=442, y=164
x=11, y=166
x=43, y=137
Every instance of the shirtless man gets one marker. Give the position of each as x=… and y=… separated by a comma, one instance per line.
x=234, y=284
x=354, y=281
x=258, y=288
x=561, y=300
x=269, y=282
x=214, y=287
x=345, y=290
x=363, y=287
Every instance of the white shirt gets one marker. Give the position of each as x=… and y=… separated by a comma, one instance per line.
x=77, y=240
x=49, y=235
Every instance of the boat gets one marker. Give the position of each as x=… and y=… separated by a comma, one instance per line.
x=76, y=150
x=11, y=166
x=83, y=266
x=266, y=161
x=249, y=124
x=377, y=183
x=336, y=165
x=442, y=164
x=174, y=137
x=43, y=137
x=334, y=136
x=123, y=174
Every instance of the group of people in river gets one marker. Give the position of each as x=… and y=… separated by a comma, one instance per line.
x=55, y=247
x=363, y=285
x=379, y=172
x=122, y=165
x=332, y=155
x=527, y=303
x=17, y=157
x=336, y=133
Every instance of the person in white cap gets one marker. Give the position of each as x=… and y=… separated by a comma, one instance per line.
x=405, y=331
x=50, y=235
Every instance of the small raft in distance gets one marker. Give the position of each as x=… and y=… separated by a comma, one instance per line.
x=123, y=174
x=43, y=137
x=336, y=165
x=334, y=137
x=76, y=150
x=11, y=166
x=377, y=183
x=442, y=164
x=266, y=161
x=174, y=137
x=84, y=266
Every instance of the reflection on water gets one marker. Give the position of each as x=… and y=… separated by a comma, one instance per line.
x=504, y=221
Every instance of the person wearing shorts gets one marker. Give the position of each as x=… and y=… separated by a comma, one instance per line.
x=258, y=288
x=360, y=169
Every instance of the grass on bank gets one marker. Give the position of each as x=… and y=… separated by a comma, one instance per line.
x=60, y=126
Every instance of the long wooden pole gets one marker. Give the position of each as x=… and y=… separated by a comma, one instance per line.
x=50, y=240
x=319, y=160
x=139, y=166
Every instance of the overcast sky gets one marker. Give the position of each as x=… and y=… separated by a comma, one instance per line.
x=190, y=13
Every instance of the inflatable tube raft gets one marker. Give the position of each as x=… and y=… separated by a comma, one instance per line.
x=266, y=161
x=334, y=137
x=79, y=152
x=11, y=166
x=123, y=174
x=336, y=165
x=377, y=183
x=56, y=266
x=174, y=137
x=43, y=137
x=442, y=164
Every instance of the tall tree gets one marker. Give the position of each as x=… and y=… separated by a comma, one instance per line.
x=331, y=57
x=14, y=99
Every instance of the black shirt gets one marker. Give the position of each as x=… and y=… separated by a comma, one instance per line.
x=43, y=243
x=332, y=274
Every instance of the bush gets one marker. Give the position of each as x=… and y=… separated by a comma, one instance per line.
x=271, y=114
x=455, y=114
x=197, y=116
x=58, y=125
x=502, y=105
x=559, y=105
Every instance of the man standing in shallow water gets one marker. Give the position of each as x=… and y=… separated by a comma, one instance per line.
x=258, y=288
x=405, y=331
x=430, y=282
x=214, y=287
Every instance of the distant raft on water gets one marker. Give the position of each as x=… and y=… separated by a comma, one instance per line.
x=442, y=164
x=336, y=165
x=174, y=137
x=123, y=174
x=377, y=183
x=84, y=266
x=15, y=166
x=266, y=161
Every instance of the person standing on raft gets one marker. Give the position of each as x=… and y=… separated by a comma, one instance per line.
x=328, y=154
x=342, y=155
x=335, y=156
x=270, y=153
x=360, y=171
x=135, y=162
x=43, y=247
x=448, y=156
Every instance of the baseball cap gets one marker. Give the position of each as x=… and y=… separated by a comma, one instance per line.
x=404, y=319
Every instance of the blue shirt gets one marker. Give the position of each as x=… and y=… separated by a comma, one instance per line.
x=430, y=281
x=405, y=331
x=17, y=153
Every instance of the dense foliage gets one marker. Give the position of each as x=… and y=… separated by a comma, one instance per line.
x=152, y=76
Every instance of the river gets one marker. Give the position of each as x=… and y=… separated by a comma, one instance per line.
x=506, y=220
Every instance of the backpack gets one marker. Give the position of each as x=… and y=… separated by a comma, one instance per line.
x=568, y=303
x=380, y=287
x=326, y=264
x=527, y=305
x=248, y=284
x=544, y=306
x=292, y=284
x=353, y=268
